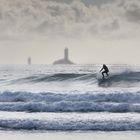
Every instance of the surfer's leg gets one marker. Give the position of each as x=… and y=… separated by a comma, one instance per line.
x=107, y=74
x=103, y=73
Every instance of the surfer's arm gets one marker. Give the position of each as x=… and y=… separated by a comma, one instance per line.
x=101, y=69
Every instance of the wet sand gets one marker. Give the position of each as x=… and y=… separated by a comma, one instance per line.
x=35, y=135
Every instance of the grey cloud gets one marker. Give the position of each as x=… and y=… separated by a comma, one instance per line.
x=114, y=25
x=131, y=10
x=133, y=15
x=97, y=2
x=86, y=2
x=67, y=17
x=62, y=1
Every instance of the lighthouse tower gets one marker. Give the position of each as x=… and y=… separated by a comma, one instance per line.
x=66, y=54
x=29, y=60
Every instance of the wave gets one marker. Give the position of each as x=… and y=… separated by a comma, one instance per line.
x=70, y=107
x=125, y=79
x=51, y=77
x=96, y=96
x=70, y=102
x=70, y=125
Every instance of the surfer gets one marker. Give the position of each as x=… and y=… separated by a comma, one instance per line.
x=106, y=70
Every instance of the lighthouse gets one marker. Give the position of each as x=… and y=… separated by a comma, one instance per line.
x=65, y=60
x=29, y=61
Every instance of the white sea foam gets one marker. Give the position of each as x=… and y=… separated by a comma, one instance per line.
x=70, y=102
x=70, y=121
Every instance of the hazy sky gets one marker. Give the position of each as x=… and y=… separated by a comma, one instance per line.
x=95, y=31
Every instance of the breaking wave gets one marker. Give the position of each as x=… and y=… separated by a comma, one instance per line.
x=70, y=107
x=70, y=102
x=71, y=125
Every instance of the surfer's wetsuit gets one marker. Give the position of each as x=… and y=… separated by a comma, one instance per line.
x=106, y=70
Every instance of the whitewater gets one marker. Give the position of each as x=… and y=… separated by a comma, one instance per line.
x=69, y=98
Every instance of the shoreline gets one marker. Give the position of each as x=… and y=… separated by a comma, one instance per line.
x=78, y=135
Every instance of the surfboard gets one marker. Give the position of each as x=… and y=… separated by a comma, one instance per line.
x=99, y=76
x=102, y=80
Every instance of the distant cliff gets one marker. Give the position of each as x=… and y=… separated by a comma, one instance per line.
x=65, y=60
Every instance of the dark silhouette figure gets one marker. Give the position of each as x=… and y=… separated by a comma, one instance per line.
x=106, y=70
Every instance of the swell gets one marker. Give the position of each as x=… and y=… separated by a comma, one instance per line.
x=125, y=79
x=70, y=102
x=54, y=77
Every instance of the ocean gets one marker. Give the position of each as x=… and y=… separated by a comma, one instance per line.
x=69, y=98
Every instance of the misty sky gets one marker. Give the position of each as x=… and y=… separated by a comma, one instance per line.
x=95, y=31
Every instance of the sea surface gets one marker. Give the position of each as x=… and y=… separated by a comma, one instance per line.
x=69, y=98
